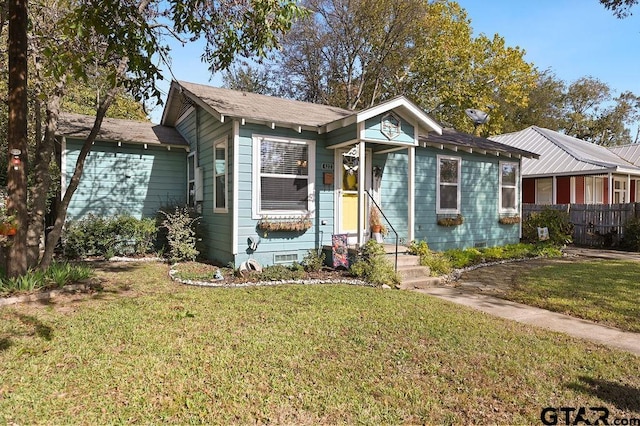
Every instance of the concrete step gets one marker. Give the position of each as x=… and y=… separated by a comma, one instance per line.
x=410, y=272
x=425, y=282
x=403, y=259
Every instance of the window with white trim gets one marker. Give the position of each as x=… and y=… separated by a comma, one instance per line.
x=284, y=179
x=619, y=191
x=191, y=179
x=448, y=185
x=593, y=190
x=220, y=176
x=508, y=187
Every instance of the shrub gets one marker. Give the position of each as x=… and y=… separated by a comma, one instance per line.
x=313, y=261
x=180, y=225
x=460, y=258
x=98, y=236
x=557, y=221
x=438, y=263
x=282, y=273
x=372, y=265
x=631, y=239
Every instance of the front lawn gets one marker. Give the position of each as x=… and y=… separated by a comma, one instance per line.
x=147, y=350
x=607, y=292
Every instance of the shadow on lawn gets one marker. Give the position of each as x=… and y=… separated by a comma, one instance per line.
x=624, y=397
x=34, y=327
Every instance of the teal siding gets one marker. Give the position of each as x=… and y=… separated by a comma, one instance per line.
x=272, y=243
x=343, y=134
x=202, y=131
x=479, y=204
x=373, y=132
x=126, y=180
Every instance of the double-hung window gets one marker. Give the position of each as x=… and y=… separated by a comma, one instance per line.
x=508, y=187
x=283, y=179
x=220, y=176
x=448, y=185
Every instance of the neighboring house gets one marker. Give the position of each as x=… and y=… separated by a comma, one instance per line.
x=571, y=170
x=274, y=178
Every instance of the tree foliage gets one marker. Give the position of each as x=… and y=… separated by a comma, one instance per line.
x=119, y=44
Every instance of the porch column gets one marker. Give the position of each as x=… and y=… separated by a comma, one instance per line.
x=411, y=202
x=610, y=183
x=361, y=195
x=627, y=193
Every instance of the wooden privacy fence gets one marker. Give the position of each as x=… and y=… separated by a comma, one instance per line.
x=594, y=224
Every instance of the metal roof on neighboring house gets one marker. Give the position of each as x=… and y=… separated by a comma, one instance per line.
x=118, y=130
x=457, y=140
x=563, y=155
x=630, y=152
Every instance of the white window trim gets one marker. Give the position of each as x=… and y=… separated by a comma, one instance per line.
x=225, y=142
x=257, y=212
x=622, y=193
x=193, y=154
x=516, y=208
x=459, y=185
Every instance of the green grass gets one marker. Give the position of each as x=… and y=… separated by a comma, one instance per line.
x=147, y=350
x=607, y=292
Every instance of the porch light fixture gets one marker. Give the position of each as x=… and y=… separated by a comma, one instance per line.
x=377, y=171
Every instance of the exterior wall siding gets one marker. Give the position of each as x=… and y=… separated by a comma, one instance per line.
x=127, y=179
x=280, y=242
x=563, y=191
x=201, y=130
x=373, y=131
x=479, y=201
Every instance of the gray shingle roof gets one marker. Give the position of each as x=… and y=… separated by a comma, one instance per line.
x=262, y=108
x=452, y=137
x=118, y=130
x=563, y=155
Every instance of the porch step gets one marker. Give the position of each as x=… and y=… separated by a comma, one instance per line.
x=403, y=259
x=408, y=273
x=422, y=282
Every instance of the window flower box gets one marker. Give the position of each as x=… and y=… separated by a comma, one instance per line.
x=298, y=224
x=509, y=220
x=450, y=220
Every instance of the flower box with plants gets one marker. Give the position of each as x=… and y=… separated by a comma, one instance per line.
x=509, y=220
x=294, y=224
x=450, y=220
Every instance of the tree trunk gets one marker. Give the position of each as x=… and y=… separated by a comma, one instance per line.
x=17, y=135
x=42, y=177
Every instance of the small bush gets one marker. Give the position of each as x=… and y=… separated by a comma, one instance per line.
x=631, y=239
x=313, y=261
x=557, y=221
x=438, y=263
x=180, y=225
x=282, y=273
x=373, y=266
x=108, y=237
x=460, y=258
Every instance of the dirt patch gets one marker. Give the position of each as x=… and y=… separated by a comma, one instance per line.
x=495, y=280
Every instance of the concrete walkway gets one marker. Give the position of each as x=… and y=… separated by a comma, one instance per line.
x=546, y=319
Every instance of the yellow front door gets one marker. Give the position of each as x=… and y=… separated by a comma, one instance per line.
x=347, y=184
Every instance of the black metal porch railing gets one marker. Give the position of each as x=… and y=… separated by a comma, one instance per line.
x=390, y=227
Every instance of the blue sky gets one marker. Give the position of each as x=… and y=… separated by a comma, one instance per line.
x=573, y=38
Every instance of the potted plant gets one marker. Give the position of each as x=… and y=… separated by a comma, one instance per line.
x=7, y=222
x=375, y=222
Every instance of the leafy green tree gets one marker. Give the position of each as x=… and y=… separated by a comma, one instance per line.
x=620, y=8
x=124, y=39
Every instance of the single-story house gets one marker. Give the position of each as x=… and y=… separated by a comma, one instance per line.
x=274, y=178
x=571, y=170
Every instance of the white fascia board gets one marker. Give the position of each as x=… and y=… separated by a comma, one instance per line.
x=401, y=102
x=338, y=124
